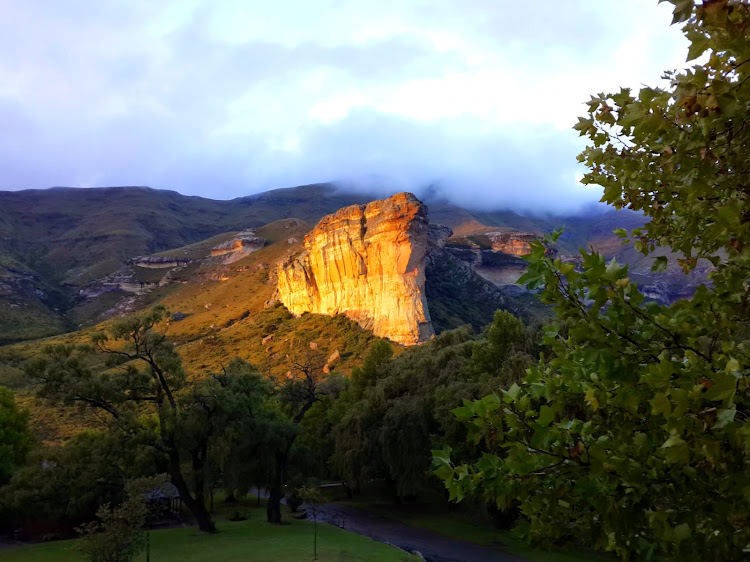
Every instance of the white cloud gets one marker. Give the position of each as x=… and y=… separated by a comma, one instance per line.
x=224, y=98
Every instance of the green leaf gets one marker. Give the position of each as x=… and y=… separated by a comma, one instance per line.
x=660, y=264
x=546, y=415
x=723, y=386
x=592, y=399
x=660, y=404
x=491, y=402
x=681, y=532
x=678, y=454
x=698, y=44
x=550, y=331
x=673, y=440
x=724, y=417
x=463, y=413
x=512, y=394
x=733, y=366
x=442, y=456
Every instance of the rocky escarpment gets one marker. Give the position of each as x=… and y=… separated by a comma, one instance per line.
x=459, y=293
x=498, y=267
x=366, y=262
x=515, y=243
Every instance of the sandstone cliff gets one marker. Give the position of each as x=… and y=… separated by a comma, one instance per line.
x=516, y=243
x=368, y=263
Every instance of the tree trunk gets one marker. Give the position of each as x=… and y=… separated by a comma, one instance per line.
x=197, y=505
x=273, y=511
x=315, y=540
x=203, y=517
x=276, y=492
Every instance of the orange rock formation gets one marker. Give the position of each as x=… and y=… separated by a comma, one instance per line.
x=242, y=244
x=366, y=262
x=516, y=243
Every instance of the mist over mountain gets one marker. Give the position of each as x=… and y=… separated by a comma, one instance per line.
x=59, y=246
x=223, y=100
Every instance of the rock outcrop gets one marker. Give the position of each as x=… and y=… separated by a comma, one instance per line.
x=366, y=262
x=516, y=243
x=158, y=262
x=238, y=247
x=458, y=294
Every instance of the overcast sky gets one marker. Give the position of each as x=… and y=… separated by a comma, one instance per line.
x=228, y=98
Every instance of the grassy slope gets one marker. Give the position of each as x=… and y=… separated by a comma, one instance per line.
x=66, y=238
x=253, y=539
x=225, y=317
x=67, y=233
x=229, y=317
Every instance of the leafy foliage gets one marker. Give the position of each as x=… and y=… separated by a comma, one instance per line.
x=306, y=384
x=69, y=482
x=118, y=534
x=15, y=438
x=633, y=436
x=395, y=410
x=146, y=397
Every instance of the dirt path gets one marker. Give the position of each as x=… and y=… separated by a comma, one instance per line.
x=433, y=547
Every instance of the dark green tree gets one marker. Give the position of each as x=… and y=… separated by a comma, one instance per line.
x=380, y=353
x=633, y=435
x=396, y=410
x=67, y=483
x=15, y=438
x=117, y=534
x=143, y=390
x=304, y=385
x=247, y=424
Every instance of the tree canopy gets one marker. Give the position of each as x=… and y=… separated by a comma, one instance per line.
x=633, y=434
x=143, y=389
x=15, y=437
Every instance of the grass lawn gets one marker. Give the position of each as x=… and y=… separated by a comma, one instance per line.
x=253, y=539
x=467, y=525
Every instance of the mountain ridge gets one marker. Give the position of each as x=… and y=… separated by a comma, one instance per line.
x=54, y=243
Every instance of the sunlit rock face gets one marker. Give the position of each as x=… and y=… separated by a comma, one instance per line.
x=366, y=262
x=515, y=243
x=243, y=244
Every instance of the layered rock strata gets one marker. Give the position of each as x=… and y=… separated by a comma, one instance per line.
x=368, y=263
x=515, y=243
x=158, y=262
x=243, y=243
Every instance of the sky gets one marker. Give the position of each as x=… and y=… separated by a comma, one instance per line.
x=224, y=98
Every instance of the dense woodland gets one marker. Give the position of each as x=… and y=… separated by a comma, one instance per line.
x=622, y=425
x=240, y=428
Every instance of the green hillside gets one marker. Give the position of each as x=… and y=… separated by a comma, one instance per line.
x=56, y=242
